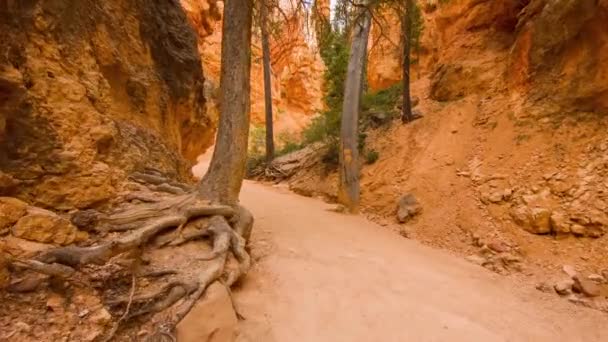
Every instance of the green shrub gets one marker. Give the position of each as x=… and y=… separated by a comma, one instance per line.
x=371, y=156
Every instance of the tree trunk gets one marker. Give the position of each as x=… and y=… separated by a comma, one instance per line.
x=406, y=115
x=348, y=193
x=267, y=83
x=222, y=182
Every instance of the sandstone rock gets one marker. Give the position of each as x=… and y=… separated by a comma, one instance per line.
x=11, y=210
x=534, y=220
x=143, y=80
x=570, y=271
x=499, y=246
x=577, y=229
x=55, y=302
x=407, y=208
x=492, y=197
x=23, y=248
x=47, y=227
x=564, y=287
x=213, y=317
x=596, y=278
x=560, y=224
x=586, y=287
x=605, y=274
x=451, y=82
x=100, y=317
x=476, y=259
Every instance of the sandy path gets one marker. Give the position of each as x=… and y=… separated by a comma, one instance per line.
x=323, y=276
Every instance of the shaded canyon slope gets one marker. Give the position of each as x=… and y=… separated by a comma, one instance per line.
x=91, y=91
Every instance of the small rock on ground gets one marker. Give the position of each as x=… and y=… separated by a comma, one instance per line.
x=586, y=287
x=564, y=287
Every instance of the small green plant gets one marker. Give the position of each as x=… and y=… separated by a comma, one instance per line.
x=371, y=156
x=257, y=140
x=380, y=107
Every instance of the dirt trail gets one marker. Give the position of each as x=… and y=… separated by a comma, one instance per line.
x=324, y=276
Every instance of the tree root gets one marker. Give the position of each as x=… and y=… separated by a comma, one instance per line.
x=110, y=335
x=191, y=218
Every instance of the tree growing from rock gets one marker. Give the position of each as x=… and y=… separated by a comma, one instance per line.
x=165, y=213
x=348, y=189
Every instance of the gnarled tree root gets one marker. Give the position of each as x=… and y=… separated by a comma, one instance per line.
x=228, y=226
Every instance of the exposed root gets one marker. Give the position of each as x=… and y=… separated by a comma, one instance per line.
x=157, y=179
x=164, y=299
x=168, y=188
x=159, y=273
x=242, y=223
x=54, y=269
x=110, y=335
x=99, y=255
x=190, y=218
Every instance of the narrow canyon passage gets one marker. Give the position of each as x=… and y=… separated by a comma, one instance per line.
x=324, y=276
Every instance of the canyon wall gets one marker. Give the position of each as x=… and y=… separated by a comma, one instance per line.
x=511, y=149
x=91, y=91
x=297, y=69
x=527, y=47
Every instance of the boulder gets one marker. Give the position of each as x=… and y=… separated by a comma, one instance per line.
x=535, y=220
x=47, y=227
x=564, y=287
x=11, y=210
x=212, y=319
x=570, y=271
x=407, y=208
x=560, y=223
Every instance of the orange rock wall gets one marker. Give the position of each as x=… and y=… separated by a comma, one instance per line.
x=90, y=91
x=533, y=47
x=297, y=69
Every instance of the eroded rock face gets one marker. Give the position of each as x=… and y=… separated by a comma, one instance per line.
x=90, y=91
x=43, y=226
x=297, y=68
x=572, y=60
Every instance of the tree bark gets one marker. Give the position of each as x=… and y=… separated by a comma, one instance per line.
x=267, y=83
x=222, y=182
x=348, y=191
x=406, y=27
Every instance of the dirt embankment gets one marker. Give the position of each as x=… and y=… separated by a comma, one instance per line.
x=512, y=148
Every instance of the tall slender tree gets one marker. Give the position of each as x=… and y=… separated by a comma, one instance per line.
x=406, y=29
x=267, y=81
x=348, y=191
x=222, y=182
